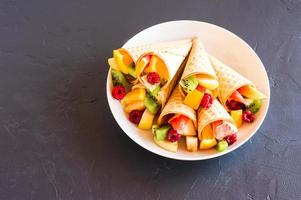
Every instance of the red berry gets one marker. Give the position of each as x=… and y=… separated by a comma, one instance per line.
x=231, y=138
x=153, y=78
x=135, y=116
x=248, y=116
x=118, y=92
x=235, y=105
x=207, y=101
x=173, y=135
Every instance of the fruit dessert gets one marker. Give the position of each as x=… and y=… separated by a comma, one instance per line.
x=176, y=121
x=236, y=93
x=216, y=128
x=198, y=83
x=155, y=71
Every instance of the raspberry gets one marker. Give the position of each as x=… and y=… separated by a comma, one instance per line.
x=234, y=105
x=153, y=78
x=207, y=101
x=231, y=138
x=248, y=116
x=173, y=135
x=135, y=116
x=118, y=92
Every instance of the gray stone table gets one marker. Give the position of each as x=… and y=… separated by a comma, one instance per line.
x=58, y=139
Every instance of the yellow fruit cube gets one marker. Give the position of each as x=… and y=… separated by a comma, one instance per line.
x=208, y=143
x=135, y=105
x=237, y=117
x=191, y=143
x=141, y=65
x=207, y=81
x=112, y=63
x=207, y=138
x=137, y=94
x=146, y=121
x=167, y=145
x=193, y=99
x=119, y=61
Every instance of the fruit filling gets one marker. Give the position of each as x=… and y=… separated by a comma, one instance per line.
x=244, y=103
x=219, y=134
x=198, y=91
x=177, y=126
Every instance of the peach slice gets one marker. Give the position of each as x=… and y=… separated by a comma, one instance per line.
x=251, y=92
x=135, y=105
x=137, y=94
x=146, y=121
x=207, y=81
x=237, y=117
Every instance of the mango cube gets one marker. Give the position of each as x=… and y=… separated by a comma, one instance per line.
x=237, y=117
x=207, y=138
x=193, y=99
x=251, y=92
x=135, y=105
x=146, y=121
x=137, y=94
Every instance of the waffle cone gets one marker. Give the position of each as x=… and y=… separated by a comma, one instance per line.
x=214, y=113
x=198, y=61
x=229, y=79
x=175, y=105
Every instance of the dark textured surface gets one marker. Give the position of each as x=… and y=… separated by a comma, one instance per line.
x=58, y=139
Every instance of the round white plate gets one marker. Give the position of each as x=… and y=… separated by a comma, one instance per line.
x=219, y=42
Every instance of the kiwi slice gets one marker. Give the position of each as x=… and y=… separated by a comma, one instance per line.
x=253, y=105
x=189, y=84
x=118, y=78
x=151, y=103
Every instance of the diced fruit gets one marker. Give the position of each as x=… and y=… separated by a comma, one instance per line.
x=224, y=129
x=157, y=65
x=135, y=105
x=126, y=58
x=221, y=145
x=118, y=78
x=153, y=78
x=201, y=88
x=113, y=64
x=207, y=101
x=189, y=84
x=251, y=92
x=135, y=116
x=183, y=125
x=234, y=105
x=237, y=117
x=248, y=116
x=161, y=132
x=173, y=135
x=137, y=94
x=167, y=145
x=155, y=91
x=191, y=143
x=231, y=139
x=253, y=105
x=147, y=85
x=207, y=81
x=142, y=64
x=207, y=138
x=236, y=96
x=119, y=60
x=118, y=92
x=193, y=99
x=151, y=104
x=146, y=121
x=132, y=71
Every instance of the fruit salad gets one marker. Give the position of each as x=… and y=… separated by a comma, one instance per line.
x=144, y=76
x=198, y=83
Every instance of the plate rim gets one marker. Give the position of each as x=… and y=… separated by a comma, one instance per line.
x=174, y=157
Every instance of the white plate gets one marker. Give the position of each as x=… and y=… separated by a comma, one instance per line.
x=219, y=42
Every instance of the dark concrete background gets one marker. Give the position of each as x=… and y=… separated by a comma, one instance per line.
x=58, y=139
